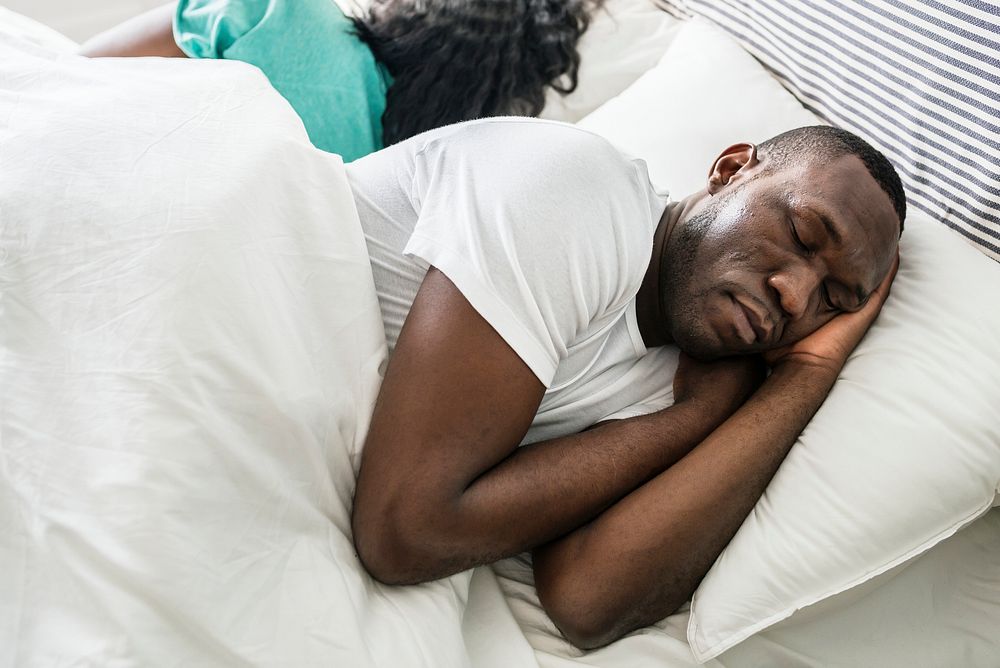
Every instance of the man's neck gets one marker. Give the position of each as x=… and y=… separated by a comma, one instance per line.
x=654, y=322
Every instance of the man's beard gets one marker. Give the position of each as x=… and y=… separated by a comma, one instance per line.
x=681, y=305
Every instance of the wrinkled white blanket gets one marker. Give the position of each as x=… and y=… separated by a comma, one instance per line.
x=190, y=346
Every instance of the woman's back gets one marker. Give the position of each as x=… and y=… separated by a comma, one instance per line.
x=311, y=55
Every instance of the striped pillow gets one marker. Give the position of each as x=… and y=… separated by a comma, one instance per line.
x=919, y=79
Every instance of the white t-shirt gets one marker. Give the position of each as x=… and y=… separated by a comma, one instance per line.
x=547, y=231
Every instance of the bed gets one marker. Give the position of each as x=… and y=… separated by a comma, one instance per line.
x=190, y=347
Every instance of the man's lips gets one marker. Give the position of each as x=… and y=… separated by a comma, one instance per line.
x=762, y=333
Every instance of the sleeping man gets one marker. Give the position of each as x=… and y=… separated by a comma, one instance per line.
x=529, y=278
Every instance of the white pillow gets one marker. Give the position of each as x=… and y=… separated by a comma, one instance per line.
x=681, y=114
x=625, y=38
x=906, y=450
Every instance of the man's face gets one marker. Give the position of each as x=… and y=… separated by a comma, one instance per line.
x=775, y=255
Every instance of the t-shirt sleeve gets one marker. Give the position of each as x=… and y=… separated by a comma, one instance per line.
x=207, y=28
x=545, y=229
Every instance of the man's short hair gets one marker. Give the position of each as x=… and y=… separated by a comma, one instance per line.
x=826, y=142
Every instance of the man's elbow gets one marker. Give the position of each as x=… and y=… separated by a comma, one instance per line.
x=583, y=619
x=399, y=548
x=590, y=616
x=383, y=560
x=583, y=633
x=383, y=549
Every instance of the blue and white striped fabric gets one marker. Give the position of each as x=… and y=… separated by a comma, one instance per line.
x=919, y=79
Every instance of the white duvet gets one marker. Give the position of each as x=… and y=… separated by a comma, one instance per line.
x=190, y=346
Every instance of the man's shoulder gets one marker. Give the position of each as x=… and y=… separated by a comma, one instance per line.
x=506, y=134
x=537, y=155
x=510, y=125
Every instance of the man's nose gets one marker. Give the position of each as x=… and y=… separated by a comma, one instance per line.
x=795, y=287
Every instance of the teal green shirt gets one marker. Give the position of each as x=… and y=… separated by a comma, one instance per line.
x=307, y=50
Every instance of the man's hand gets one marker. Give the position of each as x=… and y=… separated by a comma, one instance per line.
x=829, y=346
x=720, y=386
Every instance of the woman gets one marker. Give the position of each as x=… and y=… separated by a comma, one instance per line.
x=404, y=67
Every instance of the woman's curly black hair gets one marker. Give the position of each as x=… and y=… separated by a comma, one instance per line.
x=455, y=60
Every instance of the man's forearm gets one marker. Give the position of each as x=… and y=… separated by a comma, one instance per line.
x=643, y=557
x=544, y=490
x=443, y=485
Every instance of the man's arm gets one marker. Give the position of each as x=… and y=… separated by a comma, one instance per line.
x=644, y=557
x=440, y=491
x=149, y=34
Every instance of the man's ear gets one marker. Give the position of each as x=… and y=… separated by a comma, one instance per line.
x=730, y=162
